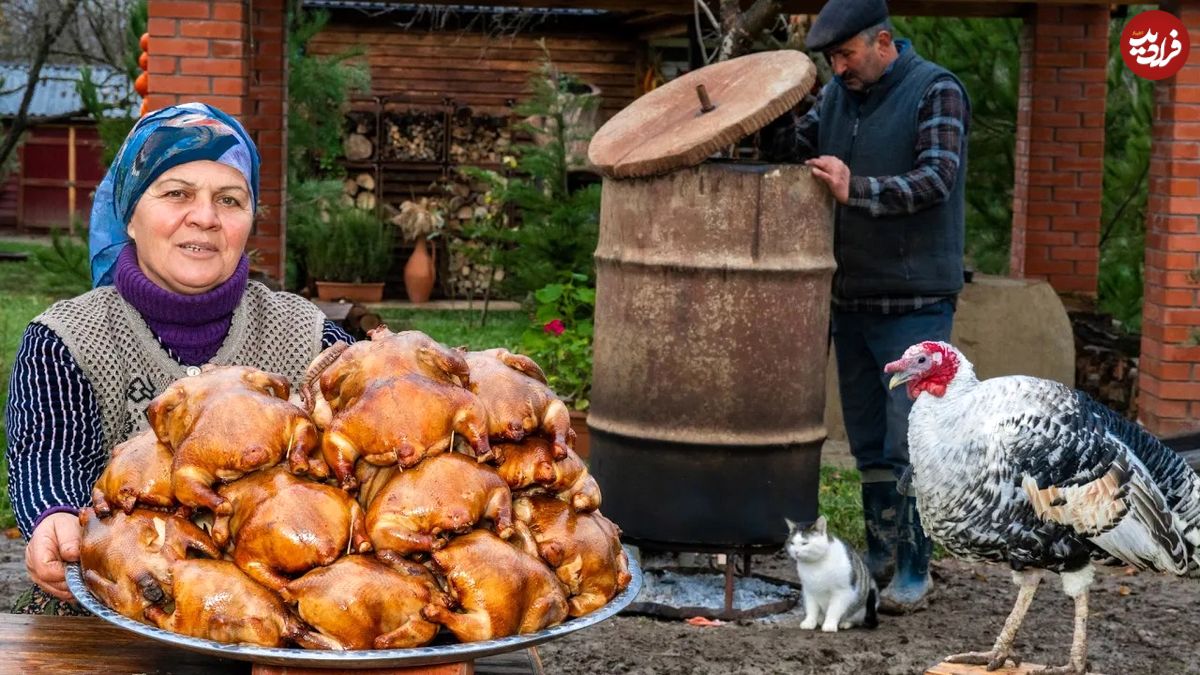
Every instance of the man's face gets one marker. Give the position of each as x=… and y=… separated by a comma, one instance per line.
x=860, y=62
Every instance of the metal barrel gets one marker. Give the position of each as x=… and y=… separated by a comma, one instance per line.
x=711, y=340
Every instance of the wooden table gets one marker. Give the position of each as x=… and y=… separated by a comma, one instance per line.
x=86, y=644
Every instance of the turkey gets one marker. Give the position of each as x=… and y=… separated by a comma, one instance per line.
x=1029, y=472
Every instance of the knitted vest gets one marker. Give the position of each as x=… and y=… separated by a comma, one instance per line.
x=127, y=367
x=876, y=135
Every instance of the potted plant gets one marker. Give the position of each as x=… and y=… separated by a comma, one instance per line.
x=560, y=341
x=419, y=221
x=351, y=257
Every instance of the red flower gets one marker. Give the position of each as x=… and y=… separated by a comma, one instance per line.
x=554, y=327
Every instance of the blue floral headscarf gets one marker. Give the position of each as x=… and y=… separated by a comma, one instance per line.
x=162, y=140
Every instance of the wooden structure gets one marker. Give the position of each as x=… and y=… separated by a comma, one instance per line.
x=60, y=168
x=59, y=163
x=77, y=645
x=232, y=54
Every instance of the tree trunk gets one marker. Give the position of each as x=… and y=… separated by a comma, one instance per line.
x=35, y=72
x=739, y=29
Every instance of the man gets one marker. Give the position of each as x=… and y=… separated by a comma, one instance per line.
x=888, y=136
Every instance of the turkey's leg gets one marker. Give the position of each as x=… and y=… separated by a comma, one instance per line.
x=1027, y=581
x=1075, y=585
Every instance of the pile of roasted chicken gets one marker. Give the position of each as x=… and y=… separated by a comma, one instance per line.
x=404, y=488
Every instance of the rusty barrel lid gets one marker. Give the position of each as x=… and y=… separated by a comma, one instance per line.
x=689, y=118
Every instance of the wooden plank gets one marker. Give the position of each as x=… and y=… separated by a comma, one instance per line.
x=57, y=644
x=896, y=7
x=959, y=669
x=77, y=645
x=350, y=35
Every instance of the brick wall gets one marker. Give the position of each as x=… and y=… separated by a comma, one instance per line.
x=1169, y=371
x=215, y=51
x=1059, y=158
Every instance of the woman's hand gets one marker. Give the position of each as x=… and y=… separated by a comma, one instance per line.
x=54, y=543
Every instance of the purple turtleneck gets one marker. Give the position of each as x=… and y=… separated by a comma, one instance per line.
x=193, y=327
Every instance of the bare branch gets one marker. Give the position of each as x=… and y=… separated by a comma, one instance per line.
x=47, y=38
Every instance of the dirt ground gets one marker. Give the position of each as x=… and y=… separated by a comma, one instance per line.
x=1151, y=627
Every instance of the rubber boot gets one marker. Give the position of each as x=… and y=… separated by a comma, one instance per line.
x=910, y=586
x=880, y=504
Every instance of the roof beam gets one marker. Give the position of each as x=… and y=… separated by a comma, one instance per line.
x=994, y=8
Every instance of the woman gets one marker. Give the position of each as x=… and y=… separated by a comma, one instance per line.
x=168, y=235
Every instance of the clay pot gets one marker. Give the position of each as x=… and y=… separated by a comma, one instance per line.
x=419, y=273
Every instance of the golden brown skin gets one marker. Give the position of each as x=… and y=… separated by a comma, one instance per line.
x=214, y=600
x=501, y=590
x=360, y=602
x=127, y=559
x=227, y=422
x=283, y=526
x=530, y=465
x=513, y=389
x=138, y=473
x=584, y=549
x=415, y=511
x=402, y=420
x=384, y=355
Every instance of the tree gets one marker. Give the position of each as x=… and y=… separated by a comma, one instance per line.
x=37, y=33
x=50, y=32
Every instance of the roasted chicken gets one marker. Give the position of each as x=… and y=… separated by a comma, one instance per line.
x=415, y=511
x=530, y=466
x=360, y=602
x=138, y=473
x=225, y=423
x=127, y=559
x=402, y=420
x=514, y=391
x=341, y=373
x=214, y=600
x=584, y=549
x=500, y=589
x=282, y=526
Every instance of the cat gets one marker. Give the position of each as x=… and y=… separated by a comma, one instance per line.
x=838, y=589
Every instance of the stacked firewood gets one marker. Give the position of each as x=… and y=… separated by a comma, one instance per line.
x=1106, y=362
x=358, y=144
x=479, y=139
x=414, y=136
x=466, y=204
x=359, y=191
x=470, y=277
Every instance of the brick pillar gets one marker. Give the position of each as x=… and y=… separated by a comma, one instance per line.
x=1169, y=375
x=265, y=115
x=1059, y=171
x=215, y=51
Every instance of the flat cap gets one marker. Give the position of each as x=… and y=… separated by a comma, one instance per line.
x=841, y=20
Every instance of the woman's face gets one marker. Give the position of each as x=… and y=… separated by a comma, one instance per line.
x=191, y=226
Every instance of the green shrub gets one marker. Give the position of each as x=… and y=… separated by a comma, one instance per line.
x=354, y=247
x=560, y=339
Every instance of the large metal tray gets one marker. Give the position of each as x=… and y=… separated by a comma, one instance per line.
x=367, y=658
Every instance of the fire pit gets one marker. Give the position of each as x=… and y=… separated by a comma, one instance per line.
x=685, y=592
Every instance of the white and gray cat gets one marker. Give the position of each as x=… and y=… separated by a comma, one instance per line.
x=838, y=589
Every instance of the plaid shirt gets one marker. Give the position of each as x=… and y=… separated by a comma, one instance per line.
x=940, y=140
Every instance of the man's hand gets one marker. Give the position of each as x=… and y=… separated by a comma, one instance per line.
x=834, y=173
x=54, y=543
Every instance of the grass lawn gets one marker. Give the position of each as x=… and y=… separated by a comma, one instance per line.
x=457, y=328
x=26, y=288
